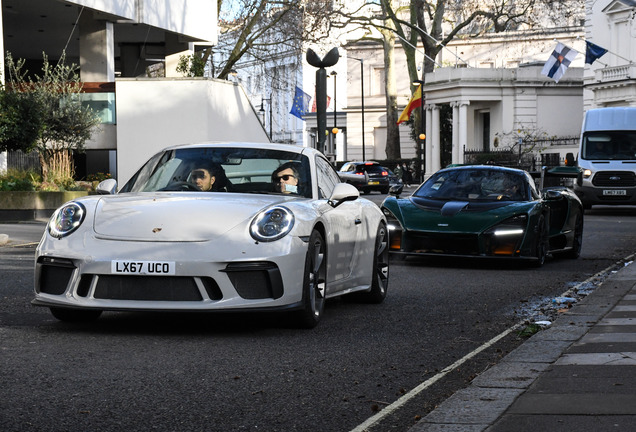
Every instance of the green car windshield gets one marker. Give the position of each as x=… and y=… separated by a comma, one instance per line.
x=474, y=185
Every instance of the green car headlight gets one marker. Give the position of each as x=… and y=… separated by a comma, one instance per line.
x=66, y=219
x=505, y=237
x=395, y=230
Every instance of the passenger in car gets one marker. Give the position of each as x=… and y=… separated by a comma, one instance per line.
x=286, y=178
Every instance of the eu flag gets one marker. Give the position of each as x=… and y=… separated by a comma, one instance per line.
x=593, y=52
x=300, y=106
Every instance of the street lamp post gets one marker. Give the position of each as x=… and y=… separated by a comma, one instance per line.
x=422, y=135
x=362, y=101
x=262, y=111
x=334, y=131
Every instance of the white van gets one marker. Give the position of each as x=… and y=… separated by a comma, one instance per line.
x=607, y=157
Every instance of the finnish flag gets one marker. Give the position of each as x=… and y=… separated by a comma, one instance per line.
x=559, y=61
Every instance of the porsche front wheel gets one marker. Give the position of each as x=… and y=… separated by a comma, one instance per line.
x=314, y=282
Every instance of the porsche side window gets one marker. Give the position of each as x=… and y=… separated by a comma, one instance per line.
x=327, y=178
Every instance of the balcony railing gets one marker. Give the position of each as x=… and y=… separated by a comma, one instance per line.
x=616, y=73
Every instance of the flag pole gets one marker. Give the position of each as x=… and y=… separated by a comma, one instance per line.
x=442, y=45
x=611, y=52
x=420, y=51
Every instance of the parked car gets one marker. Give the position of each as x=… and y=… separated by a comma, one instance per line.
x=278, y=232
x=487, y=211
x=366, y=176
x=394, y=180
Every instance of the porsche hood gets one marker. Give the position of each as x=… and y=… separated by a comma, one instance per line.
x=175, y=217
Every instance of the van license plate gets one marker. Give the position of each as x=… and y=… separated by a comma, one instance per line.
x=148, y=268
x=613, y=192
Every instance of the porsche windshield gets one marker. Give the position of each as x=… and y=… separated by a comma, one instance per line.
x=243, y=170
x=474, y=184
x=609, y=145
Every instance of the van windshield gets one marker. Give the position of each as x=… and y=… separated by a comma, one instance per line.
x=609, y=145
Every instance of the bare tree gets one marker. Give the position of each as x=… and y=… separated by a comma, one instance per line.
x=257, y=30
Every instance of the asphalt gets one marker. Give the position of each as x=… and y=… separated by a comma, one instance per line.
x=579, y=373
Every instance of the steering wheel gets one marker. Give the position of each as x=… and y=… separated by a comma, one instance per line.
x=181, y=186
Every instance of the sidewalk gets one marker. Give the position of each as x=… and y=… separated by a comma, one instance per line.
x=579, y=374
x=12, y=234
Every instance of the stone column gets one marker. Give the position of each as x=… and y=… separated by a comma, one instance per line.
x=436, y=142
x=429, y=140
x=97, y=49
x=463, y=129
x=456, y=150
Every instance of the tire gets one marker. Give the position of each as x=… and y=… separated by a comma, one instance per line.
x=314, y=282
x=577, y=242
x=385, y=190
x=75, y=315
x=380, y=270
x=541, y=243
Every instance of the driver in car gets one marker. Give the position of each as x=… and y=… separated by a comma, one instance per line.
x=208, y=177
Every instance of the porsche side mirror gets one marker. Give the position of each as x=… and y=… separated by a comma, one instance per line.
x=343, y=192
x=107, y=187
x=396, y=190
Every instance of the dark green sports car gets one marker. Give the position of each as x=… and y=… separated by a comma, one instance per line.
x=487, y=211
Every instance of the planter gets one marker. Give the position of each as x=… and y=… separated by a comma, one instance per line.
x=22, y=205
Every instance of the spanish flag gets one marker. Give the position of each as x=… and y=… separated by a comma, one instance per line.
x=416, y=101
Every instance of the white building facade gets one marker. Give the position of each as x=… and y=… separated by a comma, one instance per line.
x=611, y=80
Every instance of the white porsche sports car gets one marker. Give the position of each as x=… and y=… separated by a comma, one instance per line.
x=211, y=227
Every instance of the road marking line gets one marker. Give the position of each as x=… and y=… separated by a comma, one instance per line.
x=373, y=420
x=413, y=393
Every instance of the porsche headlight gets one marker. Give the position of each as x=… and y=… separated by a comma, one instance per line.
x=66, y=219
x=272, y=224
x=505, y=237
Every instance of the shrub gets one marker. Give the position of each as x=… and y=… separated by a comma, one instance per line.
x=15, y=180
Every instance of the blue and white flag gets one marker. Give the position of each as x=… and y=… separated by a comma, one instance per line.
x=300, y=105
x=559, y=61
x=593, y=52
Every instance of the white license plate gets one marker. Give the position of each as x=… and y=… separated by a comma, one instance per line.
x=614, y=192
x=150, y=268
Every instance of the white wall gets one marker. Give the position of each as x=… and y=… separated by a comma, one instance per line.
x=156, y=113
x=194, y=18
x=3, y=155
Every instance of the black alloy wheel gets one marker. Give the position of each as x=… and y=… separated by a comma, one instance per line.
x=314, y=282
x=577, y=241
x=380, y=270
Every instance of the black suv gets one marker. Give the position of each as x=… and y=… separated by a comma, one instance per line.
x=366, y=176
